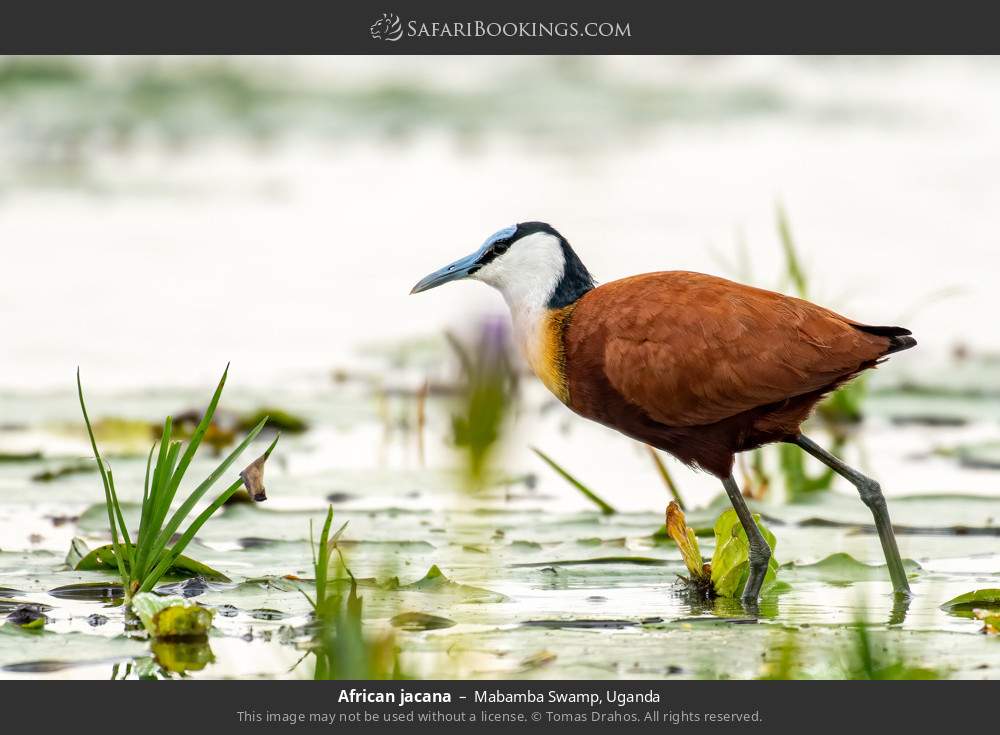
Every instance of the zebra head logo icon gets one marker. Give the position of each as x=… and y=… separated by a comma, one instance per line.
x=387, y=28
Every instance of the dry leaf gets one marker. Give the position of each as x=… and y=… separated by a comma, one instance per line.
x=687, y=542
x=253, y=475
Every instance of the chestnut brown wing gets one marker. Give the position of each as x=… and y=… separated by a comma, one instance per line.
x=692, y=349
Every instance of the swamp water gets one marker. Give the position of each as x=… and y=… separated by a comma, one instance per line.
x=524, y=579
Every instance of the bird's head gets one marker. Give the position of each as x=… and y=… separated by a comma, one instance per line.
x=529, y=261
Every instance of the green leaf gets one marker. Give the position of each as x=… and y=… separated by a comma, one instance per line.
x=188, y=505
x=963, y=605
x=77, y=550
x=435, y=582
x=414, y=621
x=103, y=557
x=171, y=617
x=171, y=556
x=844, y=568
x=104, y=479
x=731, y=560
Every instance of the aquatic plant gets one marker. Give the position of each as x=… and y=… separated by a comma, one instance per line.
x=342, y=649
x=726, y=574
x=321, y=556
x=143, y=562
x=172, y=617
x=488, y=391
x=982, y=605
x=340, y=646
x=700, y=579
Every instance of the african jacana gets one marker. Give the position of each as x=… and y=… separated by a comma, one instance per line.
x=695, y=365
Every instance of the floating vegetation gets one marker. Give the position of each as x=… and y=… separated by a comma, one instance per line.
x=726, y=574
x=842, y=568
x=104, y=557
x=172, y=618
x=966, y=605
x=66, y=470
x=275, y=419
x=414, y=621
x=143, y=563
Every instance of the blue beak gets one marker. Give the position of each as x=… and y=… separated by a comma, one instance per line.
x=461, y=268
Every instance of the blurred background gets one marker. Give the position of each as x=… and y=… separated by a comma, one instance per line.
x=160, y=217
x=282, y=208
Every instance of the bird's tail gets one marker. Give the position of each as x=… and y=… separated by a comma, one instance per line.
x=899, y=338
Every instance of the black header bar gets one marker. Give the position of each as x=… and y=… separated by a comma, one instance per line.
x=508, y=27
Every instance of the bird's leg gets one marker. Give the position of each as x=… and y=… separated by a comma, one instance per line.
x=759, y=552
x=871, y=495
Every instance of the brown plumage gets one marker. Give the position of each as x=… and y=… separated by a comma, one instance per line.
x=702, y=367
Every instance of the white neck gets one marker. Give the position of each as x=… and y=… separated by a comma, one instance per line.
x=527, y=276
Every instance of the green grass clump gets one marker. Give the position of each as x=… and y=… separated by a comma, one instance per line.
x=340, y=646
x=143, y=562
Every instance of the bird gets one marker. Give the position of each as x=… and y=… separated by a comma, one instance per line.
x=695, y=365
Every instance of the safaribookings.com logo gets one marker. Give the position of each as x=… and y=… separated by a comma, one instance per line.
x=387, y=28
x=390, y=28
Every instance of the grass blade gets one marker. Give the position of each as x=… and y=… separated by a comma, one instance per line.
x=160, y=506
x=587, y=492
x=323, y=562
x=177, y=474
x=793, y=267
x=186, y=507
x=168, y=559
x=144, y=516
x=129, y=551
x=104, y=479
x=665, y=475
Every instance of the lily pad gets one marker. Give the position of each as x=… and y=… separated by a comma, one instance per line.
x=93, y=591
x=965, y=605
x=42, y=650
x=844, y=568
x=103, y=557
x=643, y=561
x=415, y=621
x=436, y=582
